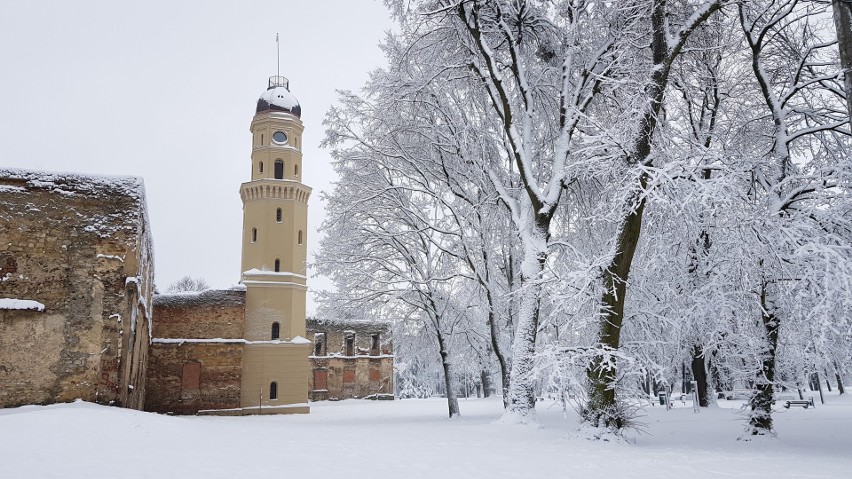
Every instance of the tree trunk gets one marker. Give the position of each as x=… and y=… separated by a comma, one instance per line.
x=521, y=403
x=602, y=410
x=827, y=383
x=485, y=380
x=496, y=348
x=840, y=388
x=699, y=372
x=843, y=24
x=760, y=403
x=452, y=400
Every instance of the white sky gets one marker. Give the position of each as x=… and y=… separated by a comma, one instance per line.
x=166, y=90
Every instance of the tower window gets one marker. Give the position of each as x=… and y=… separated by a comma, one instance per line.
x=276, y=330
x=278, y=215
x=261, y=139
x=277, y=265
x=254, y=235
x=300, y=237
x=260, y=167
x=279, y=169
x=273, y=390
x=296, y=170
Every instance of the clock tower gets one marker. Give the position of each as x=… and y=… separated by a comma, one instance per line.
x=275, y=217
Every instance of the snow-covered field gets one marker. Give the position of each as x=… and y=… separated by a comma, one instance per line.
x=413, y=439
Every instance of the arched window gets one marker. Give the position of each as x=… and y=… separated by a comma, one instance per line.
x=276, y=330
x=254, y=235
x=277, y=265
x=279, y=169
x=278, y=215
x=260, y=167
x=296, y=170
x=300, y=236
x=273, y=390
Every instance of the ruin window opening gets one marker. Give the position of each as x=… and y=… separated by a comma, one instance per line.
x=319, y=344
x=349, y=345
x=279, y=169
x=277, y=265
x=273, y=390
x=375, y=345
x=276, y=330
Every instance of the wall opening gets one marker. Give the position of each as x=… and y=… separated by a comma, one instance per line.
x=319, y=344
x=254, y=235
x=260, y=167
x=349, y=345
x=279, y=169
x=375, y=345
x=276, y=330
x=300, y=237
x=296, y=170
x=273, y=390
x=278, y=215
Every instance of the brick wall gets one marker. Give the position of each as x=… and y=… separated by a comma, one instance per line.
x=187, y=377
x=355, y=370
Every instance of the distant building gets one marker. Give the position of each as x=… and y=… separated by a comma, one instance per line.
x=350, y=359
x=76, y=281
x=78, y=318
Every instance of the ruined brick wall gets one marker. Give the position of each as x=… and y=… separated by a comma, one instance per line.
x=192, y=366
x=80, y=246
x=190, y=377
x=350, y=359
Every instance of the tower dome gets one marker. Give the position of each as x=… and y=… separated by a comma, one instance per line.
x=278, y=98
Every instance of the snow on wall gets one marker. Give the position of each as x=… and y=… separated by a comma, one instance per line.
x=12, y=303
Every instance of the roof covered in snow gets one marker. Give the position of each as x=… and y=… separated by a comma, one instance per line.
x=209, y=297
x=278, y=98
x=358, y=325
x=103, y=205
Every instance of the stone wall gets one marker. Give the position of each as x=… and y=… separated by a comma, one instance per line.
x=197, y=352
x=81, y=246
x=350, y=359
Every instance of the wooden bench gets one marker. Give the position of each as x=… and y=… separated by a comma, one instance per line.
x=804, y=404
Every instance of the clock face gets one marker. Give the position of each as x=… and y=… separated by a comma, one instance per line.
x=279, y=137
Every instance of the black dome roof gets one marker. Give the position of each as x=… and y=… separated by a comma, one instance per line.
x=278, y=98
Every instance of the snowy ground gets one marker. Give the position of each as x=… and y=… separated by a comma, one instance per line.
x=413, y=439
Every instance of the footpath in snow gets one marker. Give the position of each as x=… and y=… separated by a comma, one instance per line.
x=413, y=439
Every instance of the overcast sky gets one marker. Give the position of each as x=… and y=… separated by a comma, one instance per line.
x=166, y=90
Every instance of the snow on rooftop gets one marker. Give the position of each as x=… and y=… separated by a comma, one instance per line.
x=220, y=297
x=21, y=304
x=71, y=183
x=280, y=97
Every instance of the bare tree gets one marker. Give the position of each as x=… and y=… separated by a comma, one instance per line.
x=188, y=283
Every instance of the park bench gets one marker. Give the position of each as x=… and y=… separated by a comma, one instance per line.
x=804, y=404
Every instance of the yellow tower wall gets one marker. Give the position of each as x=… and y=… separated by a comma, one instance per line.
x=275, y=295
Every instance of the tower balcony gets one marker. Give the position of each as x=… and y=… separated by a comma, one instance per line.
x=275, y=189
